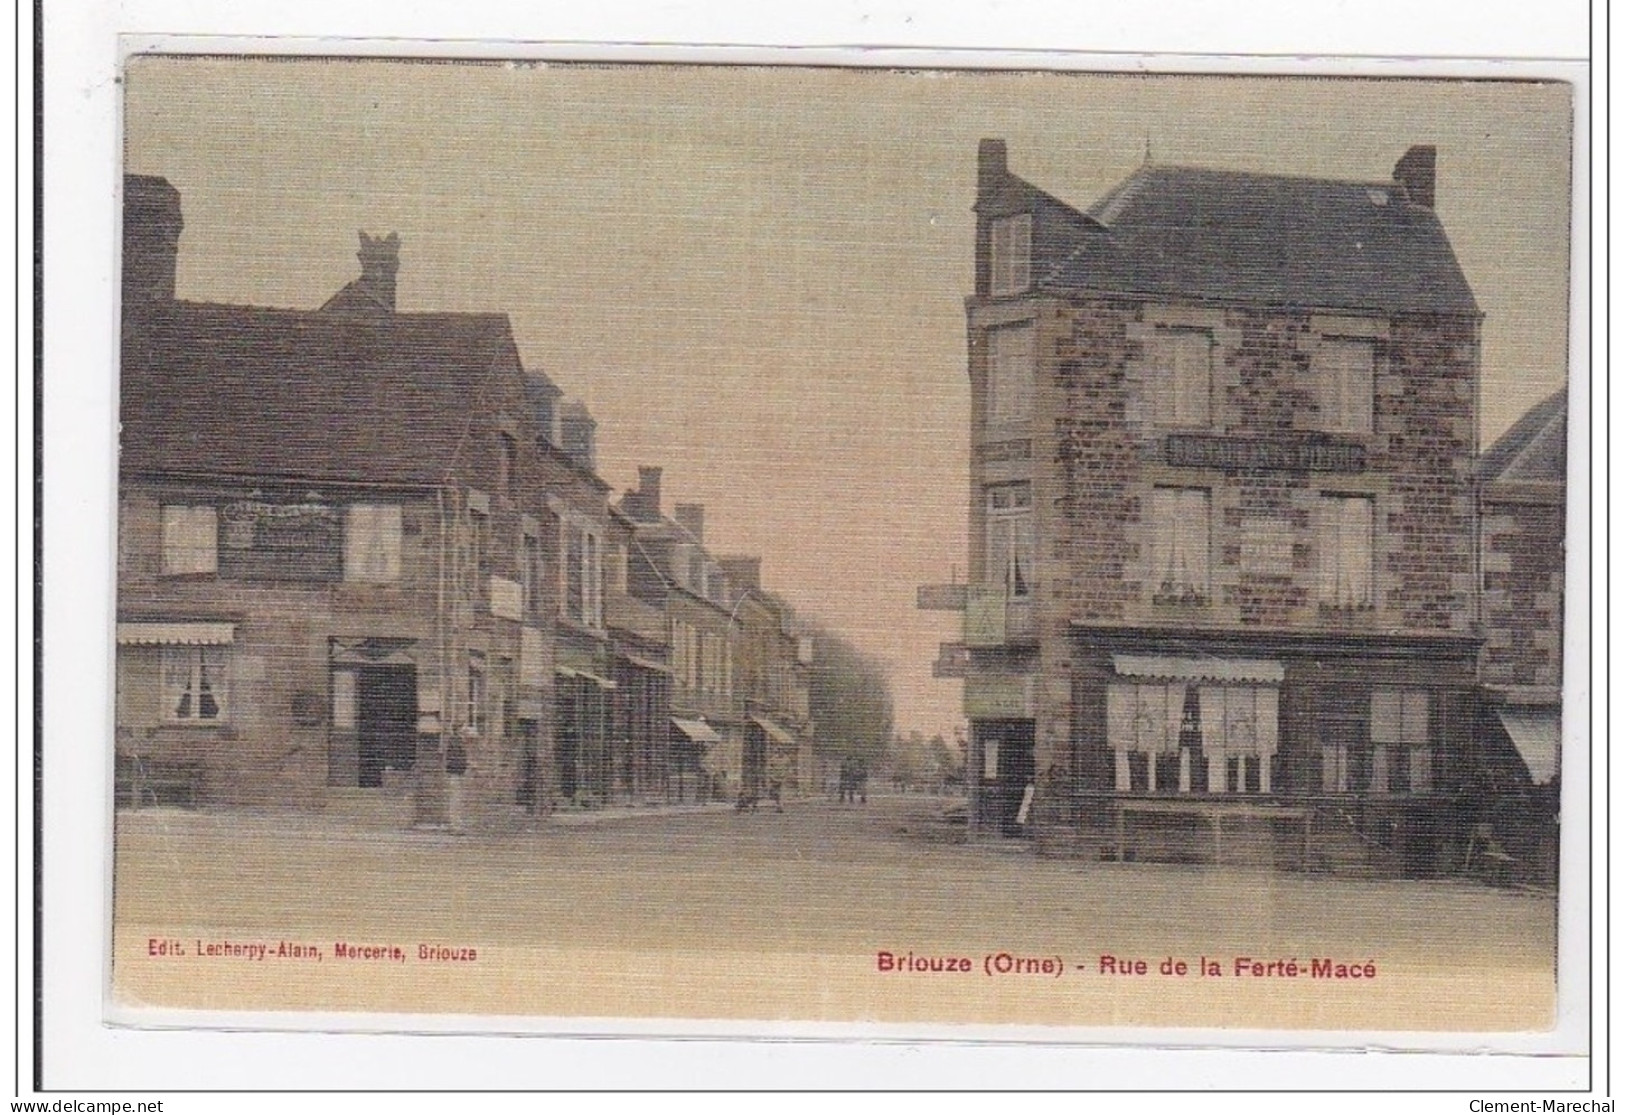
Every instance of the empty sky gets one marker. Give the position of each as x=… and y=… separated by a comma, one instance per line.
x=756, y=277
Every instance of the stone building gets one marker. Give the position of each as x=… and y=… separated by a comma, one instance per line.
x=1223, y=539
x=331, y=590
x=670, y=569
x=771, y=671
x=1522, y=486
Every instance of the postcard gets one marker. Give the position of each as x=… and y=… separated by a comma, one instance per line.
x=773, y=545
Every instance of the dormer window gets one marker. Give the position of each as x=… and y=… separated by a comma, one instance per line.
x=1010, y=254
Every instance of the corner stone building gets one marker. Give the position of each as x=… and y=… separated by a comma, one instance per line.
x=1223, y=555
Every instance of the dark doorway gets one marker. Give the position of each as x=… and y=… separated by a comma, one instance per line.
x=754, y=762
x=386, y=720
x=1007, y=769
x=569, y=740
x=529, y=765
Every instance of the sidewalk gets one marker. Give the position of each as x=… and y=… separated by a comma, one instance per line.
x=632, y=813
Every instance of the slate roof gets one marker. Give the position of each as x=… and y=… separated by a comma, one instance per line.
x=1296, y=242
x=1536, y=448
x=249, y=391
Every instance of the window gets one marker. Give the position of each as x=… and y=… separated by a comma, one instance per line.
x=530, y=574
x=1010, y=365
x=479, y=536
x=1179, y=545
x=372, y=543
x=1344, y=543
x=1174, y=737
x=1344, y=384
x=593, y=603
x=507, y=463
x=1010, y=538
x=476, y=691
x=1266, y=545
x=583, y=575
x=1240, y=729
x=194, y=684
x=1401, y=754
x=1010, y=254
x=1182, y=377
x=190, y=540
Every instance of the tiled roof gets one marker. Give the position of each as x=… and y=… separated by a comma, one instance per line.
x=1296, y=242
x=1535, y=448
x=249, y=391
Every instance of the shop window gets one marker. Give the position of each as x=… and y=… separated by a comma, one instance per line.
x=1343, y=372
x=1011, y=370
x=1180, y=543
x=194, y=684
x=1401, y=744
x=1345, y=545
x=372, y=543
x=1010, y=254
x=1182, y=377
x=1240, y=732
x=190, y=539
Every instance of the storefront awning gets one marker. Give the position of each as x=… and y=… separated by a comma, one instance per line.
x=602, y=683
x=176, y=634
x=1534, y=732
x=776, y=733
x=644, y=663
x=1249, y=671
x=697, y=730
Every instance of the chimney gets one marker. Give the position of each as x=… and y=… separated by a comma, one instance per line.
x=991, y=165
x=1414, y=171
x=648, y=493
x=152, y=236
x=743, y=572
x=380, y=258
x=578, y=435
x=691, y=517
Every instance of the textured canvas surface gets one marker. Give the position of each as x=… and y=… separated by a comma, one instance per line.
x=779, y=545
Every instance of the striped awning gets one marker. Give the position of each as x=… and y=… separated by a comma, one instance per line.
x=1248, y=671
x=697, y=730
x=176, y=634
x=1534, y=732
x=776, y=733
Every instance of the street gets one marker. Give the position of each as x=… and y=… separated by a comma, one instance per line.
x=737, y=914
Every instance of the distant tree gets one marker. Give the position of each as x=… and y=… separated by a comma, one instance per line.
x=851, y=701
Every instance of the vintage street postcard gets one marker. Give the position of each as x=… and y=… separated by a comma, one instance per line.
x=692, y=544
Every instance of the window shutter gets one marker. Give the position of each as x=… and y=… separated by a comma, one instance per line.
x=1414, y=717
x=1386, y=716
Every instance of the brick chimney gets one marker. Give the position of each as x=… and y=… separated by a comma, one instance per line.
x=1414, y=171
x=691, y=517
x=152, y=235
x=743, y=572
x=645, y=502
x=578, y=434
x=992, y=165
x=380, y=258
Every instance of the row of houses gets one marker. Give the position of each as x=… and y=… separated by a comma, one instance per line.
x=366, y=564
x=1237, y=562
